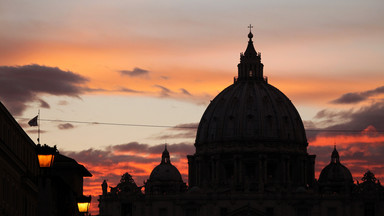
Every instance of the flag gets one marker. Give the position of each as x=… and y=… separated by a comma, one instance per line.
x=33, y=122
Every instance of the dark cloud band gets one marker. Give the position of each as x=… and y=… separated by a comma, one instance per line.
x=20, y=85
x=356, y=97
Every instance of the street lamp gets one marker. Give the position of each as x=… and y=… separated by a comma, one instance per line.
x=83, y=204
x=46, y=155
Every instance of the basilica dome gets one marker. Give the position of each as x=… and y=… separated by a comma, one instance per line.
x=251, y=112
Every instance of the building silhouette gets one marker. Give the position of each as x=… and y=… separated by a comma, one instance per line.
x=19, y=168
x=251, y=159
x=26, y=189
x=61, y=186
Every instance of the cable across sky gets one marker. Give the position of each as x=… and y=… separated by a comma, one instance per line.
x=180, y=126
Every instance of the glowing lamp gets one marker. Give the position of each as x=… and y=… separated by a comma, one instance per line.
x=46, y=160
x=83, y=203
x=46, y=155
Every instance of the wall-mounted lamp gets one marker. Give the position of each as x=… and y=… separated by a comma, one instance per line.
x=46, y=155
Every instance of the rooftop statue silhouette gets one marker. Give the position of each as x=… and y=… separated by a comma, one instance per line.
x=370, y=185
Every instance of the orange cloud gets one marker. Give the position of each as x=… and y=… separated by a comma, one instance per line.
x=345, y=140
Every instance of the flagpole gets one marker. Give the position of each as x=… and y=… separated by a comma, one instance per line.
x=38, y=127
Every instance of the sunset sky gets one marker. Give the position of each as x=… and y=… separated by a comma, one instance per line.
x=119, y=75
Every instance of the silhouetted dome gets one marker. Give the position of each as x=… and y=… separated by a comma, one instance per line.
x=165, y=178
x=335, y=172
x=251, y=111
x=165, y=171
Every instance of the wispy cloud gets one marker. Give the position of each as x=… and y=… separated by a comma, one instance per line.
x=164, y=91
x=136, y=72
x=184, y=91
x=128, y=90
x=65, y=126
x=181, y=131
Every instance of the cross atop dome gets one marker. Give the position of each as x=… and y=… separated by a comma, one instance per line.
x=250, y=27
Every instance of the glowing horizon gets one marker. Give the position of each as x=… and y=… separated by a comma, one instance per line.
x=160, y=63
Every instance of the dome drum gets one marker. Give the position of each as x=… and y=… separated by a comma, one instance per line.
x=252, y=171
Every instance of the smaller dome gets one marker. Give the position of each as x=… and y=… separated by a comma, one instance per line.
x=335, y=175
x=165, y=178
x=165, y=171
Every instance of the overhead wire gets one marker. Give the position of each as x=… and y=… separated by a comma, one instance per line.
x=106, y=123
x=180, y=126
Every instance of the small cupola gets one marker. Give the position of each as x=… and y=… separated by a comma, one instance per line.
x=335, y=158
x=165, y=159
